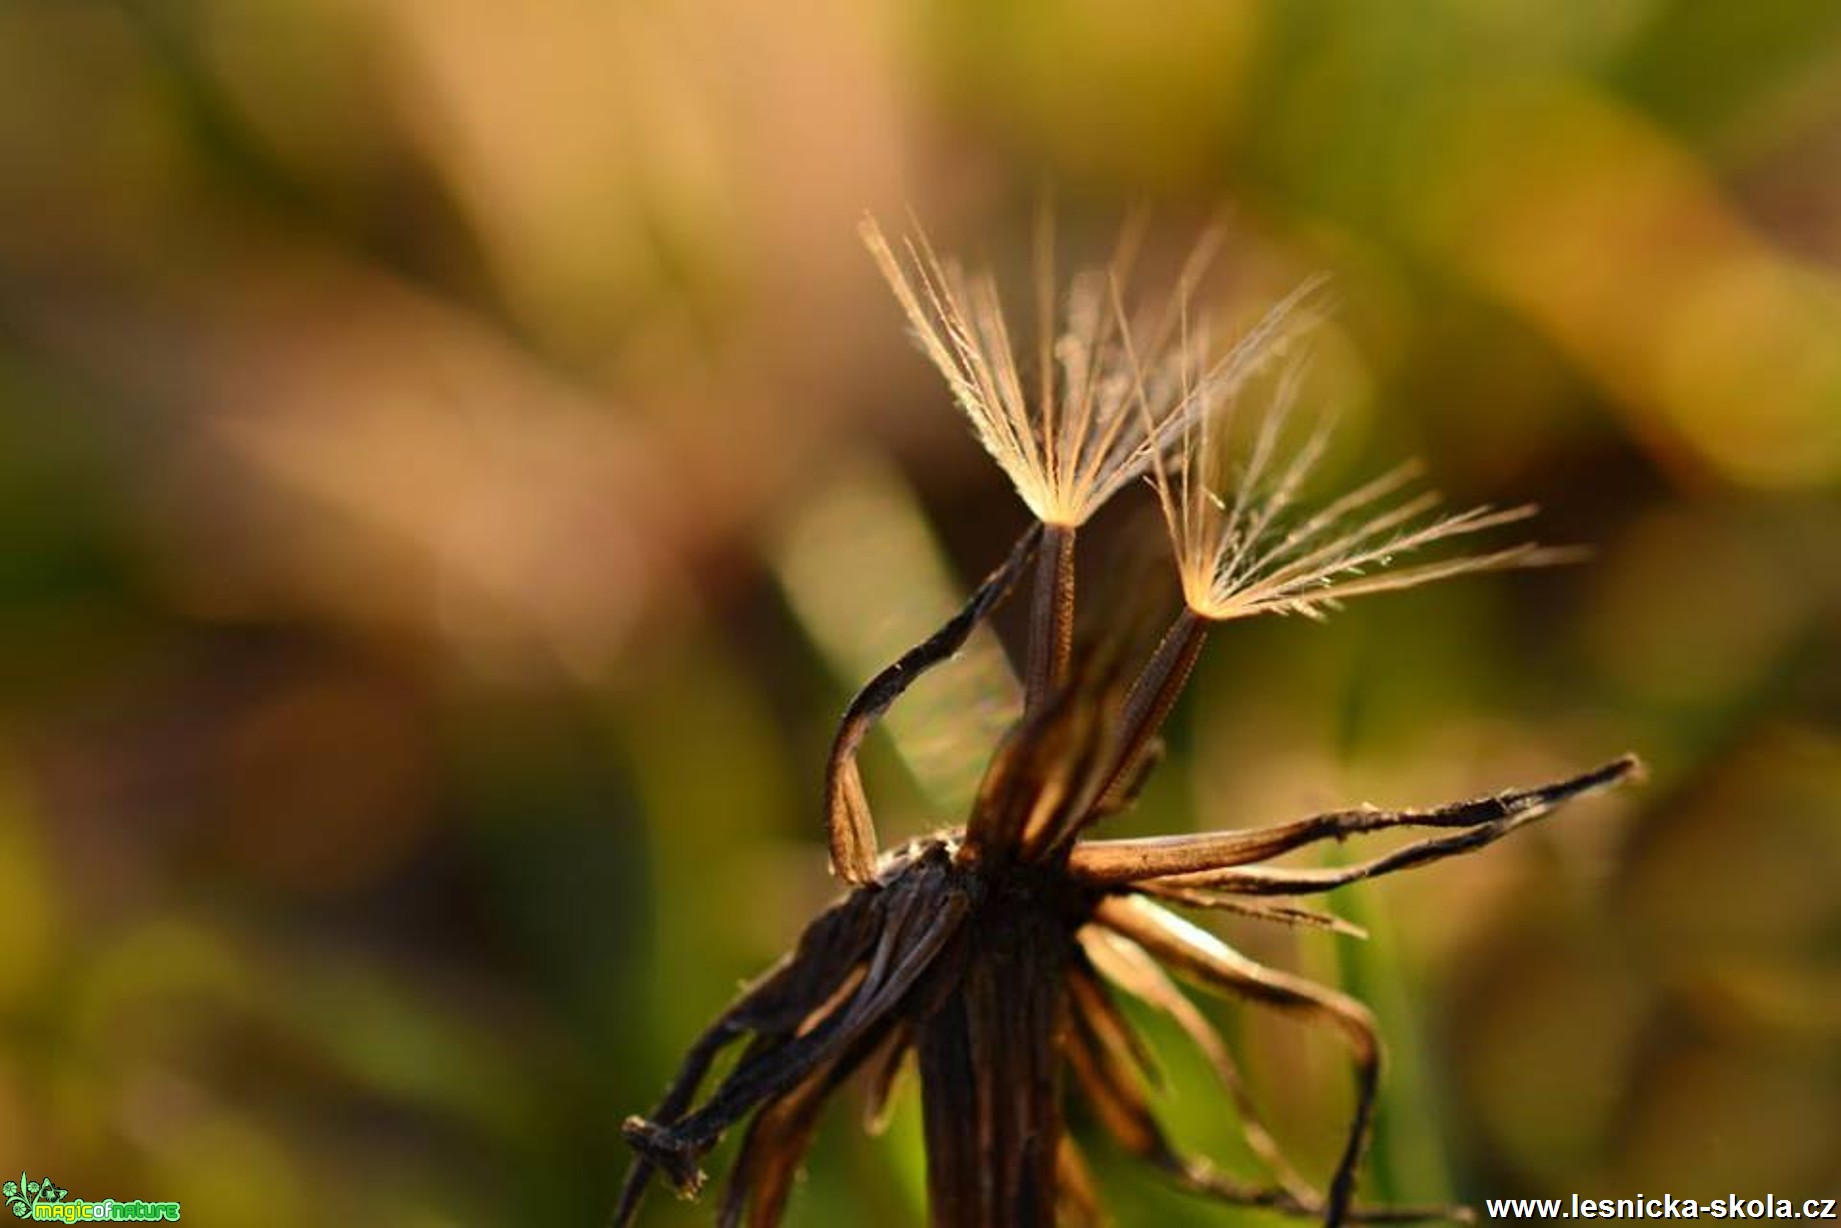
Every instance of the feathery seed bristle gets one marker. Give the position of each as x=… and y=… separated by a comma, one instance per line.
x=1096, y=419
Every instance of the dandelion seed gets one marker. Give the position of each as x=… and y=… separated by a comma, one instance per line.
x=1247, y=544
x=1095, y=420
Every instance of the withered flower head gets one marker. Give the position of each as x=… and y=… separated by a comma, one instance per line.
x=996, y=954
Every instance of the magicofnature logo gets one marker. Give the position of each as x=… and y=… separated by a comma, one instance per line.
x=43, y=1200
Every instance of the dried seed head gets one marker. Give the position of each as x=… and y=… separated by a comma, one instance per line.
x=1093, y=420
x=992, y=952
x=1247, y=542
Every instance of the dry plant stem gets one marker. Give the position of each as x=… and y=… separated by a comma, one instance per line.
x=1258, y=910
x=776, y=1141
x=1209, y=860
x=780, y=1000
x=851, y=829
x=1125, y=1115
x=1051, y=618
x=990, y=1069
x=826, y=1007
x=677, y=1099
x=1128, y=967
x=1212, y=964
x=1149, y=701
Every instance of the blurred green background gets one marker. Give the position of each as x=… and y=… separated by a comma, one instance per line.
x=456, y=460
